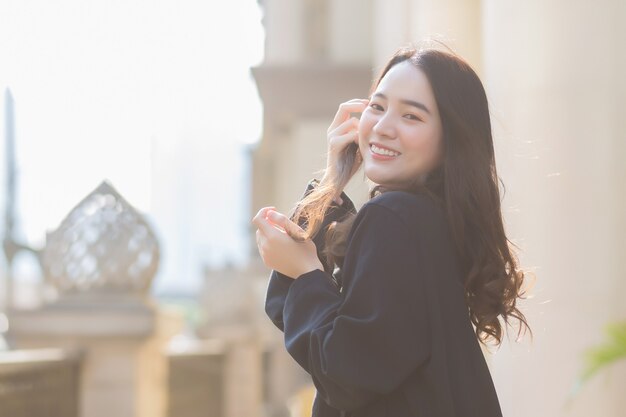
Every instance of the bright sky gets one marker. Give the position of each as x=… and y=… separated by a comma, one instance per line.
x=100, y=86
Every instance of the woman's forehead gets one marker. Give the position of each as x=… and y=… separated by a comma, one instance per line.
x=405, y=81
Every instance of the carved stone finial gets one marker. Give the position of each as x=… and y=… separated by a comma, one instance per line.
x=102, y=246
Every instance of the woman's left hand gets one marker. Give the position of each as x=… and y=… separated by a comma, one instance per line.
x=280, y=251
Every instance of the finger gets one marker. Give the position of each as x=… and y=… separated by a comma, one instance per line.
x=280, y=220
x=344, y=112
x=357, y=105
x=346, y=126
x=340, y=142
x=259, y=236
x=283, y=221
x=262, y=213
x=260, y=219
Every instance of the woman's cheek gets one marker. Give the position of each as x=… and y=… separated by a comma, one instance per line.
x=362, y=144
x=365, y=126
x=361, y=132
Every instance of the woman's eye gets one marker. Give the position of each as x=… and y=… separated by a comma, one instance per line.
x=412, y=117
x=376, y=106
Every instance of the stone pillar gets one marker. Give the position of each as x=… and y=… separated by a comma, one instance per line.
x=285, y=378
x=124, y=368
x=554, y=74
x=457, y=23
x=391, y=29
x=243, y=378
x=283, y=21
x=350, y=38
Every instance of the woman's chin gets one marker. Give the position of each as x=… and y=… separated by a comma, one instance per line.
x=374, y=174
x=383, y=180
x=376, y=178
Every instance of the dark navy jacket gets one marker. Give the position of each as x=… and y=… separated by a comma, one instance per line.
x=394, y=338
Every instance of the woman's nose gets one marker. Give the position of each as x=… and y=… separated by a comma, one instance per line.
x=385, y=126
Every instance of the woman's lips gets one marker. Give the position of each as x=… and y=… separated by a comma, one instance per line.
x=380, y=157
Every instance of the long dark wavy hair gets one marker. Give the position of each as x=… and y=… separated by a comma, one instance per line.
x=465, y=185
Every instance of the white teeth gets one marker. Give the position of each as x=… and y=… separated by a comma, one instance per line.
x=381, y=151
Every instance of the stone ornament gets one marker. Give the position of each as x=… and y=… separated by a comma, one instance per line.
x=102, y=246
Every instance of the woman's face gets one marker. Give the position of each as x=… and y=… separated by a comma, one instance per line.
x=401, y=118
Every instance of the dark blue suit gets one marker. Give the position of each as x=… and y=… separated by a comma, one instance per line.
x=394, y=338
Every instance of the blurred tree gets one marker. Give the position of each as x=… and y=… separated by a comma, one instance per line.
x=599, y=357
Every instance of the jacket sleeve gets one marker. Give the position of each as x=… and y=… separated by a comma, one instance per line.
x=363, y=343
x=279, y=284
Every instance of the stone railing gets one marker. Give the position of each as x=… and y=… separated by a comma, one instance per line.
x=39, y=382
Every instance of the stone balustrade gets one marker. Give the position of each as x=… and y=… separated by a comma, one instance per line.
x=39, y=382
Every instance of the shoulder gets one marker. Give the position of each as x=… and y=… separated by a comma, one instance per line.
x=395, y=221
x=411, y=209
x=398, y=219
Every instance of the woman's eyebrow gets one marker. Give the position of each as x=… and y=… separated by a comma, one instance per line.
x=406, y=101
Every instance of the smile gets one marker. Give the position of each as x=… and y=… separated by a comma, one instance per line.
x=383, y=152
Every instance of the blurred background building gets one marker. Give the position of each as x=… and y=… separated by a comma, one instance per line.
x=196, y=342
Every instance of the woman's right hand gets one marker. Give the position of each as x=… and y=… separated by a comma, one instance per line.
x=343, y=132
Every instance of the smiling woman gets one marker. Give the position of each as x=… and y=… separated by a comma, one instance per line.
x=385, y=307
x=399, y=137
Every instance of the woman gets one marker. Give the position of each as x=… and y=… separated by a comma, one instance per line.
x=379, y=306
